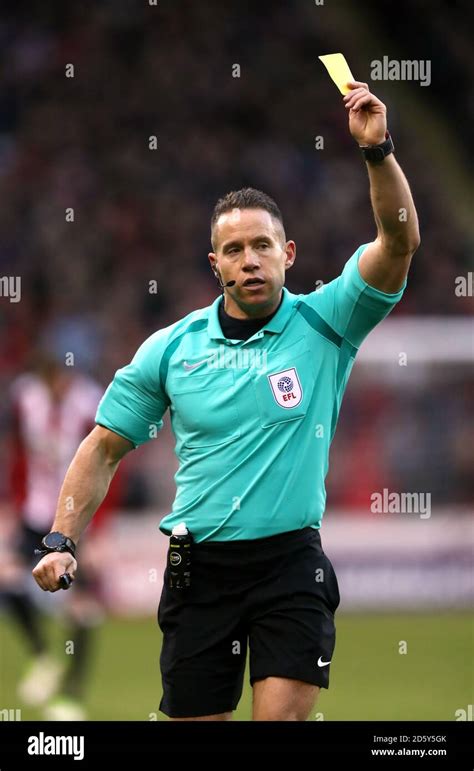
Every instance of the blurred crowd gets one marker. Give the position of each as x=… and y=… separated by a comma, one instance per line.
x=141, y=215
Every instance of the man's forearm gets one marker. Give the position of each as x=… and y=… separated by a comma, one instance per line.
x=84, y=488
x=394, y=210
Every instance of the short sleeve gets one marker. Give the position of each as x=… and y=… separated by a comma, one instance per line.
x=135, y=402
x=350, y=305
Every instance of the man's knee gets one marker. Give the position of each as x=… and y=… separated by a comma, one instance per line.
x=278, y=698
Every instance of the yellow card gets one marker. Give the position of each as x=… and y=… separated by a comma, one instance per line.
x=338, y=70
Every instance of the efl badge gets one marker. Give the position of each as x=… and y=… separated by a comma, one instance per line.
x=286, y=388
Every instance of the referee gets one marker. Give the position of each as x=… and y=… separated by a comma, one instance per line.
x=254, y=383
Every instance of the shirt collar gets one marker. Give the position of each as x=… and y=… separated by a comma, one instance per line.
x=275, y=325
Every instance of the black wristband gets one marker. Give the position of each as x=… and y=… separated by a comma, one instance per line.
x=377, y=153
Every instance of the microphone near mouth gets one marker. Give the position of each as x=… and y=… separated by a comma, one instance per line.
x=223, y=286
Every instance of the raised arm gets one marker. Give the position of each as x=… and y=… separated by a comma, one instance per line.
x=384, y=263
x=84, y=488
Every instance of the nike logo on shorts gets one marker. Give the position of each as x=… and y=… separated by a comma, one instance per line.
x=322, y=663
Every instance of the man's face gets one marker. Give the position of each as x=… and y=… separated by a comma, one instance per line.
x=251, y=250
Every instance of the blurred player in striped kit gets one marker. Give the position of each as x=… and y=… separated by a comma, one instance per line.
x=53, y=409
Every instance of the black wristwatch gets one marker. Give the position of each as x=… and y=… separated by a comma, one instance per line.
x=56, y=542
x=376, y=153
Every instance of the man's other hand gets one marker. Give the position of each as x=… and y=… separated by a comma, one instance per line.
x=49, y=569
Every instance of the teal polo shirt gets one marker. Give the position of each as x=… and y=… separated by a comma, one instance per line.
x=253, y=419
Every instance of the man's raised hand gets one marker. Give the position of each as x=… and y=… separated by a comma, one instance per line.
x=367, y=114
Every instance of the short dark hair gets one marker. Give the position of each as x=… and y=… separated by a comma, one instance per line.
x=246, y=198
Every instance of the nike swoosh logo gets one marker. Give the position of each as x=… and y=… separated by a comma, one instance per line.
x=322, y=663
x=193, y=366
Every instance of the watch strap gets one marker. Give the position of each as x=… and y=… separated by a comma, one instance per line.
x=376, y=153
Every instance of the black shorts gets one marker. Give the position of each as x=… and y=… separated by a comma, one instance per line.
x=276, y=594
x=27, y=539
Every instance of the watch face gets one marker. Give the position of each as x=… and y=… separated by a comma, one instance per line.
x=53, y=540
